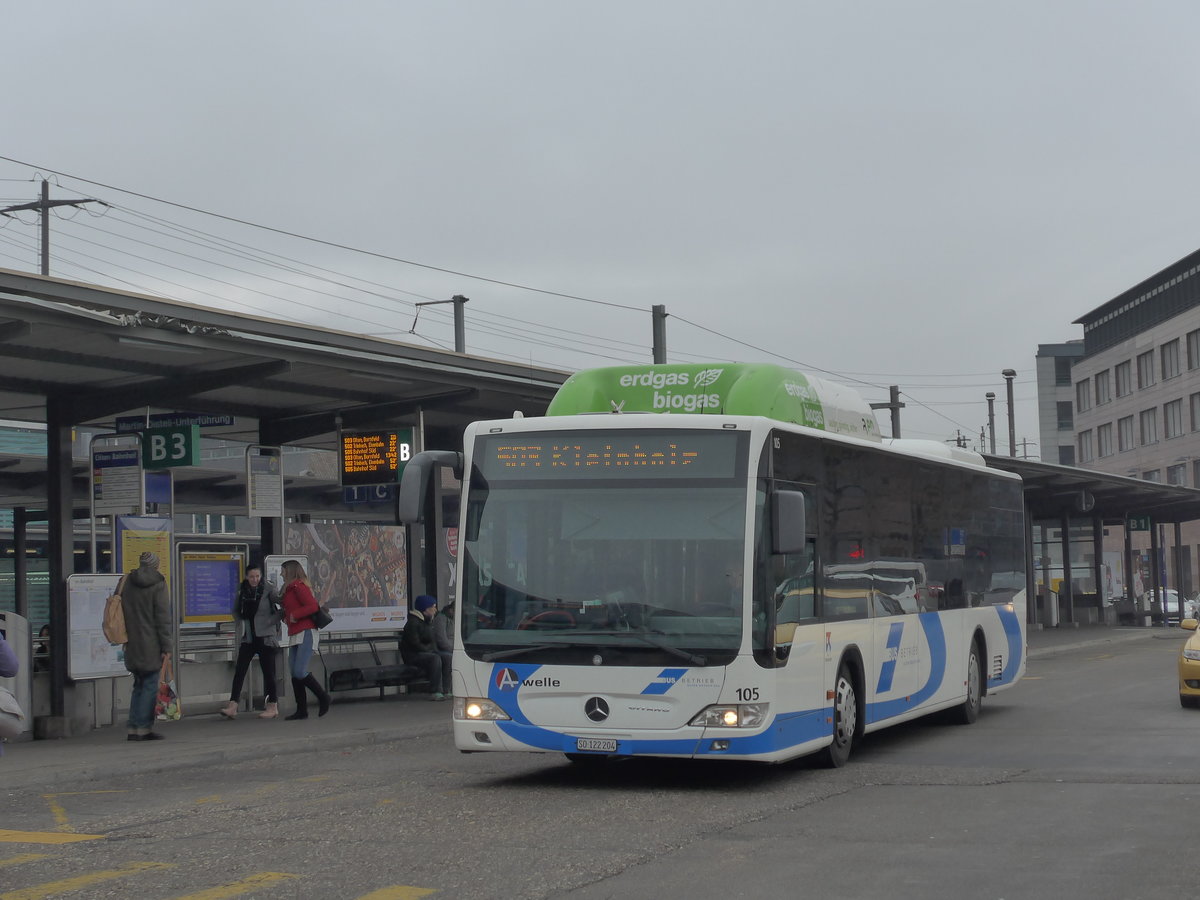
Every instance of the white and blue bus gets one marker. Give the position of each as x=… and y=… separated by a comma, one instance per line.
x=721, y=561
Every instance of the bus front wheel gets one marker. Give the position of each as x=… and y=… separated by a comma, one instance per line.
x=845, y=719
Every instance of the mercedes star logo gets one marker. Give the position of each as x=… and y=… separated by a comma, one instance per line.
x=596, y=709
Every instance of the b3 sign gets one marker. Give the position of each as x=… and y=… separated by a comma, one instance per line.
x=177, y=445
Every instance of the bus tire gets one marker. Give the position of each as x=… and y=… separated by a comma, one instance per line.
x=845, y=719
x=968, y=712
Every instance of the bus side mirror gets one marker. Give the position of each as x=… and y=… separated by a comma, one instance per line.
x=414, y=483
x=788, y=532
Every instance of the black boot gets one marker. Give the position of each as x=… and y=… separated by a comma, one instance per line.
x=310, y=682
x=301, y=699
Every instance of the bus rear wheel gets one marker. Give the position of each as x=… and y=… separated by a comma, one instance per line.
x=845, y=720
x=968, y=712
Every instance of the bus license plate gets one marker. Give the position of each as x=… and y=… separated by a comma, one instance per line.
x=597, y=745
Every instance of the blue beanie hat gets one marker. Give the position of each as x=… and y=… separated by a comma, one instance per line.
x=424, y=602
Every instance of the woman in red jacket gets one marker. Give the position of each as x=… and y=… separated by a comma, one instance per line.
x=298, y=606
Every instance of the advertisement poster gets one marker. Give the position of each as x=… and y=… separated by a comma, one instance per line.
x=136, y=535
x=359, y=571
x=1113, y=572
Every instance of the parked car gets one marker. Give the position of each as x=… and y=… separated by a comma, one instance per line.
x=1170, y=603
x=1189, y=667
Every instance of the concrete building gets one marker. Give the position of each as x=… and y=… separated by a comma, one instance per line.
x=1135, y=396
x=1056, y=401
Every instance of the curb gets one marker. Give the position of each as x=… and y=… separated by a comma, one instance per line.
x=1083, y=643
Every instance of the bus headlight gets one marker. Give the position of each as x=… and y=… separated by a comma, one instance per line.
x=735, y=715
x=477, y=709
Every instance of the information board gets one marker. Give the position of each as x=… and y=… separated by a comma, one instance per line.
x=116, y=482
x=374, y=457
x=210, y=585
x=264, y=482
x=89, y=654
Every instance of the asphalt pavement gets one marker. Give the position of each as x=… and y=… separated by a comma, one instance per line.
x=208, y=739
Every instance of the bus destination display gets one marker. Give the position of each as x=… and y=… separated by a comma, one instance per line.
x=372, y=457
x=609, y=455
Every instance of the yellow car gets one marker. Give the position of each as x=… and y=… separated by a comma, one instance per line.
x=1189, y=666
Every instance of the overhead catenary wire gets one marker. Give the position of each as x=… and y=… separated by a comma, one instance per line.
x=386, y=297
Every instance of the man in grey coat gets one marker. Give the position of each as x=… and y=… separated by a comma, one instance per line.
x=148, y=624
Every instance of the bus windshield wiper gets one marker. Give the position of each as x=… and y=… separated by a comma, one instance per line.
x=521, y=651
x=694, y=658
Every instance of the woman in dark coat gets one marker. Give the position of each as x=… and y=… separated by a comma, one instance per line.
x=258, y=616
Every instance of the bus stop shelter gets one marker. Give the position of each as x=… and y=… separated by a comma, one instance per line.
x=76, y=355
x=1069, y=499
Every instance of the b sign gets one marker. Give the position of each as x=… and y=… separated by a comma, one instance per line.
x=177, y=445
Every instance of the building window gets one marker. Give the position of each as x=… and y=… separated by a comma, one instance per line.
x=1104, y=439
x=1125, y=433
x=1103, y=388
x=1177, y=475
x=1196, y=471
x=1145, y=369
x=1066, y=455
x=1168, y=355
x=1066, y=418
x=1062, y=370
x=1152, y=475
x=1149, y=424
x=1173, y=418
x=1083, y=395
x=1085, y=446
x=1193, y=349
x=1194, y=400
x=1124, y=384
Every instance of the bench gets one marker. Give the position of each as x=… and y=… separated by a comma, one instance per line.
x=380, y=675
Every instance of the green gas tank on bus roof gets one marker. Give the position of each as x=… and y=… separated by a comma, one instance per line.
x=730, y=389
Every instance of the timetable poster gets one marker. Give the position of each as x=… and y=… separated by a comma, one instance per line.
x=89, y=654
x=210, y=585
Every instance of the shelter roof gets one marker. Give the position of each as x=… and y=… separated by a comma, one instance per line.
x=1051, y=490
x=98, y=353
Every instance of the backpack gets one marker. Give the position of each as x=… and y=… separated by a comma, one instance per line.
x=113, y=622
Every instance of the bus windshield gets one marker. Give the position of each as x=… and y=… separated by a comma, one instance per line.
x=605, y=568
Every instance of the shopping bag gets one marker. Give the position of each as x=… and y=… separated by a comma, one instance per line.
x=12, y=719
x=167, y=705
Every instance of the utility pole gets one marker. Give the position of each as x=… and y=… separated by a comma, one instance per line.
x=43, y=207
x=1025, y=442
x=1009, y=375
x=894, y=405
x=658, y=316
x=991, y=399
x=460, y=327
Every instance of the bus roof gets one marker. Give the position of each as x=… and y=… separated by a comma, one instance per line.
x=730, y=389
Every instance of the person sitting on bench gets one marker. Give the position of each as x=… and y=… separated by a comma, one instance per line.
x=418, y=647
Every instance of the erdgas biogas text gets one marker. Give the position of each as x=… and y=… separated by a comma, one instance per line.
x=667, y=399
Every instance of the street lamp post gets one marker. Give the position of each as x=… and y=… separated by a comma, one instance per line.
x=991, y=399
x=1009, y=375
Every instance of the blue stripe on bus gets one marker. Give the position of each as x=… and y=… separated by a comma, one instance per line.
x=887, y=671
x=1012, y=631
x=935, y=638
x=664, y=681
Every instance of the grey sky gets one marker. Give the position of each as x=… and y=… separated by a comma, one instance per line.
x=914, y=193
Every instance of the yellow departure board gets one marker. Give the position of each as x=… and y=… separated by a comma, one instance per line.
x=373, y=457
